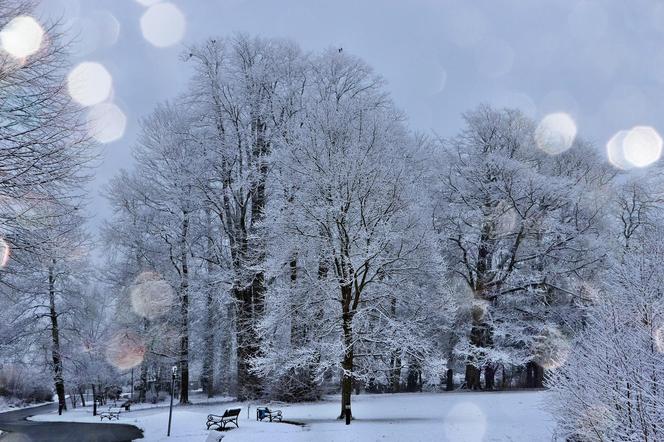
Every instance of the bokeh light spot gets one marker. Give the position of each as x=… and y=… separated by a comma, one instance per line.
x=99, y=29
x=551, y=348
x=494, y=58
x=151, y=296
x=506, y=218
x=4, y=252
x=125, y=350
x=22, y=36
x=106, y=122
x=89, y=83
x=163, y=25
x=555, y=133
x=465, y=422
x=658, y=336
x=642, y=146
x=614, y=151
x=513, y=100
x=465, y=24
x=147, y=3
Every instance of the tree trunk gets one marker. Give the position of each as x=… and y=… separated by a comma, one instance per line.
x=449, y=386
x=226, y=349
x=347, y=362
x=143, y=389
x=480, y=332
x=207, y=378
x=94, y=400
x=395, y=362
x=184, y=313
x=81, y=392
x=530, y=375
x=538, y=371
x=249, y=386
x=414, y=379
x=489, y=377
x=472, y=377
x=395, y=372
x=252, y=298
x=58, y=375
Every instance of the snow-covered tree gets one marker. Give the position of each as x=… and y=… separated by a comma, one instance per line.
x=610, y=386
x=244, y=92
x=351, y=256
x=44, y=154
x=521, y=229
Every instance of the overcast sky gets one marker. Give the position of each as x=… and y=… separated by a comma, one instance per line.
x=600, y=61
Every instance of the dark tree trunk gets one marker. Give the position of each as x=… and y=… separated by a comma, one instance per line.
x=252, y=298
x=249, y=386
x=538, y=375
x=414, y=381
x=531, y=374
x=226, y=349
x=207, y=377
x=472, y=377
x=58, y=375
x=476, y=339
x=395, y=372
x=395, y=362
x=347, y=362
x=449, y=386
x=81, y=393
x=481, y=333
x=489, y=377
x=94, y=400
x=184, y=313
x=143, y=379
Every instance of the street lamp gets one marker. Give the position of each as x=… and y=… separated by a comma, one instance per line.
x=174, y=370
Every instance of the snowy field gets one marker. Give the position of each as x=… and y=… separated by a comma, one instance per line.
x=454, y=417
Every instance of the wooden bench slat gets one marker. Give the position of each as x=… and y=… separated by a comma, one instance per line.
x=219, y=422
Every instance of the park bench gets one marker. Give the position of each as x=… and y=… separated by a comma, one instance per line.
x=266, y=413
x=126, y=405
x=217, y=422
x=110, y=414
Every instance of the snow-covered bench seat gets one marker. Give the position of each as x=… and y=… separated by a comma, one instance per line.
x=217, y=422
x=264, y=412
x=110, y=414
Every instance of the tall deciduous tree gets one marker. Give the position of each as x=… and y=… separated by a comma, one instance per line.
x=521, y=229
x=347, y=232
x=246, y=91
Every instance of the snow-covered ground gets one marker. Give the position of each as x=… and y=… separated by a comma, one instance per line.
x=455, y=417
x=16, y=404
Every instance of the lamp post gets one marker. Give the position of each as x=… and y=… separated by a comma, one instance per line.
x=170, y=411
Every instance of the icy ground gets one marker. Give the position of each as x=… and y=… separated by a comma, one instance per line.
x=454, y=417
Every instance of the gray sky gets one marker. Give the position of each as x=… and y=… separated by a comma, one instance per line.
x=600, y=61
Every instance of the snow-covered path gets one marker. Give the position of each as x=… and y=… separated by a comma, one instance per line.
x=454, y=417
